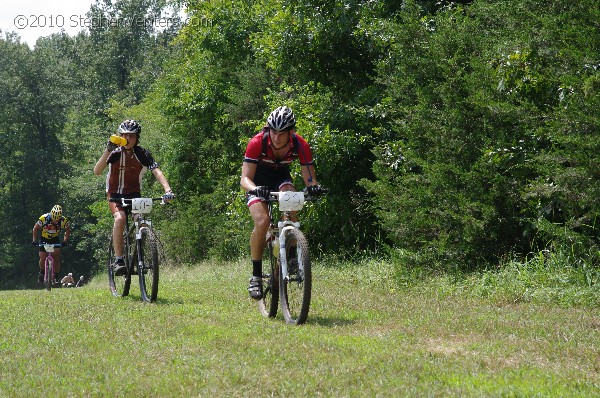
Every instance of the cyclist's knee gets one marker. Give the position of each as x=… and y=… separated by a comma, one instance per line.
x=262, y=223
x=119, y=216
x=119, y=222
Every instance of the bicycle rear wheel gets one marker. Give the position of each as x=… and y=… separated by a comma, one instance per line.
x=148, y=269
x=119, y=285
x=268, y=304
x=295, y=289
x=49, y=272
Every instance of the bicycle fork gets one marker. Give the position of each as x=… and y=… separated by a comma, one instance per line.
x=284, y=227
x=140, y=227
x=49, y=270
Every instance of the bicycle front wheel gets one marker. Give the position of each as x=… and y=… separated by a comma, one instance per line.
x=119, y=285
x=295, y=288
x=49, y=272
x=268, y=304
x=148, y=265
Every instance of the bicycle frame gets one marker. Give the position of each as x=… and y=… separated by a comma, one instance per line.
x=49, y=263
x=141, y=231
x=294, y=283
x=283, y=229
x=289, y=201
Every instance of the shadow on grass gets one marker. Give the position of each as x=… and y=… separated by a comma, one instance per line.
x=329, y=322
x=22, y=284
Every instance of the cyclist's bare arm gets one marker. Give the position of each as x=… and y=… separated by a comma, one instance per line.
x=101, y=163
x=160, y=177
x=36, y=232
x=248, y=172
x=67, y=233
x=308, y=175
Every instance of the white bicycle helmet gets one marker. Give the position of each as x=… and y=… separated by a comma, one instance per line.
x=281, y=118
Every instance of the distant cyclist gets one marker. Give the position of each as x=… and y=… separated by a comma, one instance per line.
x=126, y=166
x=47, y=230
x=266, y=168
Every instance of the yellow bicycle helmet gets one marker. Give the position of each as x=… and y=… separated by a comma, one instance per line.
x=56, y=213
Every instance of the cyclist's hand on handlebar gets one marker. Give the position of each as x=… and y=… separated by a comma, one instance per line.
x=315, y=190
x=64, y=243
x=34, y=243
x=168, y=196
x=262, y=191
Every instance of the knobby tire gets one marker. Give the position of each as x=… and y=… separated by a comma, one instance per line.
x=49, y=272
x=119, y=285
x=295, y=290
x=148, y=270
x=268, y=304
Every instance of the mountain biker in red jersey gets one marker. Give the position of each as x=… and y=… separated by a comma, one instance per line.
x=126, y=166
x=265, y=169
x=47, y=230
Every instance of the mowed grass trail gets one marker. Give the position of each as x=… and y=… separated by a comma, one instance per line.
x=364, y=338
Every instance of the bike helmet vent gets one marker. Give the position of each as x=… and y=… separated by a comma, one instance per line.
x=56, y=212
x=130, y=126
x=281, y=118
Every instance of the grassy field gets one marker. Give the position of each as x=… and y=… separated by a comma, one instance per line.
x=364, y=338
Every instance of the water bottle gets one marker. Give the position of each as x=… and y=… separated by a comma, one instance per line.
x=115, y=139
x=276, y=247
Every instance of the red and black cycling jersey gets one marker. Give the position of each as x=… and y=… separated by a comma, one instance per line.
x=260, y=151
x=126, y=168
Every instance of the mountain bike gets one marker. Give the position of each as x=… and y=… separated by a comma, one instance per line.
x=49, y=263
x=289, y=280
x=140, y=250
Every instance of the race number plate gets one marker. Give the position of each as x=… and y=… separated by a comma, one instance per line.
x=141, y=205
x=291, y=201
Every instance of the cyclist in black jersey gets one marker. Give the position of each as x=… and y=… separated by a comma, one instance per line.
x=127, y=164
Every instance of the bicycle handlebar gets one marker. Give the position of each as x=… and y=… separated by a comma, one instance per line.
x=127, y=202
x=274, y=196
x=55, y=245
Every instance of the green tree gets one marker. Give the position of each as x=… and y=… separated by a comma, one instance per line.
x=35, y=95
x=472, y=168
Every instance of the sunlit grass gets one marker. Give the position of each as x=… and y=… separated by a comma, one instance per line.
x=364, y=337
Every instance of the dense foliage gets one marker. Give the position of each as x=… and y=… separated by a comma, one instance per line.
x=451, y=134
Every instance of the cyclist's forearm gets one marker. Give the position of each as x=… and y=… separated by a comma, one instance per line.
x=309, y=176
x=36, y=229
x=101, y=163
x=247, y=184
x=160, y=177
x=247, y=178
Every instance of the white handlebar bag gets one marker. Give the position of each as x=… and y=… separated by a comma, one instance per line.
x=291, y=201
x=141, y=205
